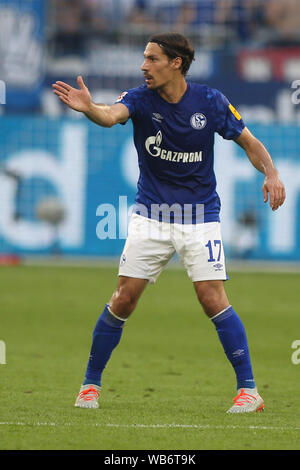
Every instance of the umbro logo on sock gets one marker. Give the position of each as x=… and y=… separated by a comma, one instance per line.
x=238, y=352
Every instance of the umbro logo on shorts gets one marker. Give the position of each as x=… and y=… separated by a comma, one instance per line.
x=218, y=267
x=123, y=259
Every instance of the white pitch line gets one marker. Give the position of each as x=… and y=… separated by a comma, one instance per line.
x=153, y=426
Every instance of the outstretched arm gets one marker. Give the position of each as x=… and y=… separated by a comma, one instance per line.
x=80, y=100
x=262, y=161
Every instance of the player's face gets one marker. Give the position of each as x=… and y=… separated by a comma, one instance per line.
x=157, y=67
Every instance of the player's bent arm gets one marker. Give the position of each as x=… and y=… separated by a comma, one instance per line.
x=262, y=161
x=80, y=100
x=107, y=116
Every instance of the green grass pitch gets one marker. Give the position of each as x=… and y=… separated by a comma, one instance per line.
x=167, y=385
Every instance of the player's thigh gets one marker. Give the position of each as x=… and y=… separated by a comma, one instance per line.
x=200, y=249
x=147, y=250
x=126, y=295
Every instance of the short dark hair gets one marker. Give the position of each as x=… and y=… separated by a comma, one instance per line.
x=175, y=45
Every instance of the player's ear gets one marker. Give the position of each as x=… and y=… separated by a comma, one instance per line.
x=177, y=63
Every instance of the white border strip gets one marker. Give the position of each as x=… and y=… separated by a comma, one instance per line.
x=152, y=426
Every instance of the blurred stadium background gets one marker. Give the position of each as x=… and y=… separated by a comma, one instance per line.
x=57, y=169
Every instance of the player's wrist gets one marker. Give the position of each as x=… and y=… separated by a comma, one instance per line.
x=270, y=172
x=90, y=108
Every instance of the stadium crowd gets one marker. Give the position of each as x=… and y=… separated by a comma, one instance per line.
x=213, y=22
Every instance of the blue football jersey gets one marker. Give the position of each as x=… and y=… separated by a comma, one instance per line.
x=175, y=147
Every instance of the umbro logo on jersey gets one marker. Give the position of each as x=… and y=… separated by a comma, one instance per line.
x=198, y=121
x=157, y=117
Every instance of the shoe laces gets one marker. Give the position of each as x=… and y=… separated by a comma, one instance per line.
x=89, y=394
x=242, y=398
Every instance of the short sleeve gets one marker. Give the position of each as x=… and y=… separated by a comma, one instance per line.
x=128, y=98
x=228, y=122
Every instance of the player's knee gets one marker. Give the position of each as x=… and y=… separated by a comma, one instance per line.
x=212, y=299
x=123, y=302
x=207, y=300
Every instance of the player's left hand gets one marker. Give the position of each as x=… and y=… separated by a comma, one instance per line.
x=273, y=189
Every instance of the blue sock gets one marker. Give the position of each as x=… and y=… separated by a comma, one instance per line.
x=233, y=337
x=106, y=337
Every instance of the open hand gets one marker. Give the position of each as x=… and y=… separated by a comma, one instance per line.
x=77, y=99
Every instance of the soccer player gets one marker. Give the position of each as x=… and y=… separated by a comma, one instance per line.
x=177, y=206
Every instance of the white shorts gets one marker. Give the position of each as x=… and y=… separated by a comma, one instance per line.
x=151, y=244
